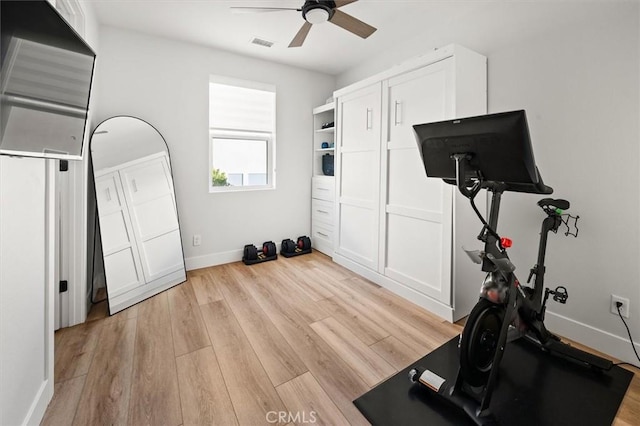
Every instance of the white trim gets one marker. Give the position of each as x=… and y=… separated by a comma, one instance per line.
x=592, y=337
x=75, y=226
x=422, y=300
x=213, y=259
x=247, y=84
x=77, y=249
x=268, y=137
x=45, y=393
x=324, y=108
x=410, y=65
x=45, y=155
x=40, y=402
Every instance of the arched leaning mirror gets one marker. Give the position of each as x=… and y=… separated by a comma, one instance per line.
x=138, y=219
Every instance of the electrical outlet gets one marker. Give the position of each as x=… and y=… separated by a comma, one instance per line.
x=624, y=309
x=197, y=239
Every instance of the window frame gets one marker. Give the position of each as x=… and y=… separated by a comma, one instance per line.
x=244, y=135
x=269, y=137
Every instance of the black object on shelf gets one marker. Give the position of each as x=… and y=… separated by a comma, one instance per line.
x=328, y=125
x=327, y=164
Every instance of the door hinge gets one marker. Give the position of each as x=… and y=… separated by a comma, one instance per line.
x=64, y=286
x=64, y=165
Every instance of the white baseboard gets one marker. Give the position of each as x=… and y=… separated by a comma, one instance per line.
x=422, y=300
x=40, y=402
x=593, y=337
x=213, y=259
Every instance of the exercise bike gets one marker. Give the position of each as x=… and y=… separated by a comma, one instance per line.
x=494, y=153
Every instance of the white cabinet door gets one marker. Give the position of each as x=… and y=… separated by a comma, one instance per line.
x=121, y=259
x=149, y=192
x=418, y=211
x=359, y=118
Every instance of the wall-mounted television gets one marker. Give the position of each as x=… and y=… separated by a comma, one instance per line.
x=47, y=69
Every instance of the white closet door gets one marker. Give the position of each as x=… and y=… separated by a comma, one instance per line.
x=121, y=259
x=149, y=192
x=418, y=210
x=359, y=175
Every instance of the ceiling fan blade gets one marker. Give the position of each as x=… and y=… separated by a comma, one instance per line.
x=349, y=23
x=302, y=34
x=239, y=9
x=340, y=3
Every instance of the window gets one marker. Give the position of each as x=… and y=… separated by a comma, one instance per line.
x=241, y=135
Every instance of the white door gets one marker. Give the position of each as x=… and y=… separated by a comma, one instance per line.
x=149, y=192
x=418, y=209
x=121, y=259
x=359, y=118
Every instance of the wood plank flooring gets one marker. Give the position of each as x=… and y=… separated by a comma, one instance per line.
x=287, y=342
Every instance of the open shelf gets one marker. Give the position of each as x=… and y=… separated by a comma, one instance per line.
x=321, y=115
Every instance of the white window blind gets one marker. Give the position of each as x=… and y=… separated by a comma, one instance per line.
x=242, y=127
x=241, y=108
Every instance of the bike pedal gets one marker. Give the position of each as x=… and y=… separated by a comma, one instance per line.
x=560, y=295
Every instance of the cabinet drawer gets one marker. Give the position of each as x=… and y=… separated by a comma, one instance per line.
x=321, y=232
x=322, y=211
x=323, y=189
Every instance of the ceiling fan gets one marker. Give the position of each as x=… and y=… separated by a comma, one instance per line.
x=317, y=12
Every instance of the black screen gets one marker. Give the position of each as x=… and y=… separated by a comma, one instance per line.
x=498, y=144
x=47, y=71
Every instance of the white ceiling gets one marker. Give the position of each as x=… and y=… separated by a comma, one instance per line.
x=328, y=48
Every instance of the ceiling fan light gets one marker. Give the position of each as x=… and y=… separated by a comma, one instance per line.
x=316, y=15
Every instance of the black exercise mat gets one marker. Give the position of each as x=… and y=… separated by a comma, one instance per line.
x=534, y=388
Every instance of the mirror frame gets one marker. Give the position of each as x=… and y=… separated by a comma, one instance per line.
x=97, y=238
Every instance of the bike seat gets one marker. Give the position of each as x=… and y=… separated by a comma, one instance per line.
x=551, y=202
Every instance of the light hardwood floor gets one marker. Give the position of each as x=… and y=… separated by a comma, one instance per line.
x=238, y=345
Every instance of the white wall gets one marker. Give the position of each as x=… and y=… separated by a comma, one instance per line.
x=578, y=80
x=166, y=83
x=25, y=331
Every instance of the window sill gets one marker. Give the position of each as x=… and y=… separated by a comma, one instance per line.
x=226, y=189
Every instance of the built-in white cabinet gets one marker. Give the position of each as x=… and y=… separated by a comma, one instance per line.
x=358, y=169
x=139, y=226
x=323, y=185
x=394, y=225
x=121, y=255
x=149, y=193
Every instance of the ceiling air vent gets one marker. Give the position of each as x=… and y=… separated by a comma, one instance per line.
x=261, y=42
